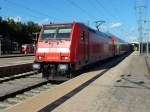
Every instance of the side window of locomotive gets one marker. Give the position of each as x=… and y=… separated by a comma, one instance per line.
x=82, y=36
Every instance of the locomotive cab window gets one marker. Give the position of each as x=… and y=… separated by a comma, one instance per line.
x=82, y=36
x=59, y=32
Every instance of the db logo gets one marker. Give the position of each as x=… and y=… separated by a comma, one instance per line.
x=52, y=58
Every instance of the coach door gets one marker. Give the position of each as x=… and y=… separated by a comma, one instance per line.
x=85, y=39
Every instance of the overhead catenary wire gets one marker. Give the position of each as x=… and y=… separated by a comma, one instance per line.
x=105, y=9
x=55, y=8
x=114, y=13
x=10, y=7
x=100, y=12
x=109, y=14
x=115, y=10
x=33, y=10
x=83, y=10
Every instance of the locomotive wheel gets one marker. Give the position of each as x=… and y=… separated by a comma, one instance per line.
x=53, y=72
x=70, y=73
x=45, y=75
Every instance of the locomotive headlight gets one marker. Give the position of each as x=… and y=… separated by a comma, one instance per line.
x=40, y=57
x=64, y=57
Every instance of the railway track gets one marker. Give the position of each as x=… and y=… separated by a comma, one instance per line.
x=18, y=88
x=18, y=98
x=18, y=76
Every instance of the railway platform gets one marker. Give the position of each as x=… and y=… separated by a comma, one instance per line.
x=125, y=88
x=15, y=55
x=15, y=61
x=15, y=65
x=122, y=88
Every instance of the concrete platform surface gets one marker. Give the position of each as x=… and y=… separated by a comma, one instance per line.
x=124, y=88
x=16, y=61
x=15, y=55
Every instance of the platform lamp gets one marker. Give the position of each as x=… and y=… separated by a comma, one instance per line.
x=147, y=48
x=0, y=39
x=0, y=44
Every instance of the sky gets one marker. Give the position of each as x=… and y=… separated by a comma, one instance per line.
x=120, y=16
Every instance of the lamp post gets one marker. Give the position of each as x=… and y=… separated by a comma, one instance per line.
x=147, y=39
x=0, y=44
x=0, y=39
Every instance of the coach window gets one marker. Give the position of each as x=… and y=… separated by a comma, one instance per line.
x=82, y=36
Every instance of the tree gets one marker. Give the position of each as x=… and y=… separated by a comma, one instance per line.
x=17, y=31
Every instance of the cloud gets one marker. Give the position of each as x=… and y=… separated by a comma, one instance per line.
x=17, y=19
x=115, y=25
x=110, y=26
x=44, y=21
x=132, y=38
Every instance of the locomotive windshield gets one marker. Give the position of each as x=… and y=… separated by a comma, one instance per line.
x=58, y=32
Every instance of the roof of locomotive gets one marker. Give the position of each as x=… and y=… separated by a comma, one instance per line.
x=105, y=35
x=49, y=24
x=118, y=39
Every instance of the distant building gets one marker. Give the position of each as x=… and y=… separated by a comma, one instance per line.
x=144, y=45
x=8, y=46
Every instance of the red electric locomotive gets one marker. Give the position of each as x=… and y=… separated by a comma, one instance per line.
x=64, y=48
